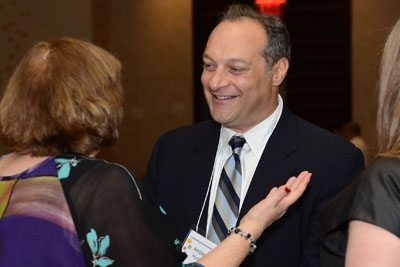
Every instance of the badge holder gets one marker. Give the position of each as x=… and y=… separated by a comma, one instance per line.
x=196, y=245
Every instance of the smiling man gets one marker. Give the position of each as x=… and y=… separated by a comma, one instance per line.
x=210, y=174
x=240, y=87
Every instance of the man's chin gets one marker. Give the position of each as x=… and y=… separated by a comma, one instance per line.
x=220, y=118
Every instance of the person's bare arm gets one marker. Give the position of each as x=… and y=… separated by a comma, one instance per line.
x=371, y=246
x=234, y=249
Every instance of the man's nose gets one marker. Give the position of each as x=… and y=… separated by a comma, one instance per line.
x=218, y=79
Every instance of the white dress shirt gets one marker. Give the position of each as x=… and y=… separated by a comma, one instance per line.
x=256, y=139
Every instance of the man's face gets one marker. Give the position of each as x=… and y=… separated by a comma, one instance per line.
x=237, y=84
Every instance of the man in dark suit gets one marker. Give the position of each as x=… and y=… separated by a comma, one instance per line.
x=245, y=61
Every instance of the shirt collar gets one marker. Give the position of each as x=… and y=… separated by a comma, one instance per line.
x=258, y=136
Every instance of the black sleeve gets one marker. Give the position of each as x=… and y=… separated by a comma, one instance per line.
x=377, y=200
x=374, y=198
x=116, y=221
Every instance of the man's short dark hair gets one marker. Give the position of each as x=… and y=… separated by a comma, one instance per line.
x=278, y=40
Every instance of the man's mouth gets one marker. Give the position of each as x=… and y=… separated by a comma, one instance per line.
x=223, y=97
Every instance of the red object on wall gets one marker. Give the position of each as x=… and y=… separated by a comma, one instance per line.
x=272, y=7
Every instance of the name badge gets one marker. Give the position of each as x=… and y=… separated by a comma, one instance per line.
x=196, y=246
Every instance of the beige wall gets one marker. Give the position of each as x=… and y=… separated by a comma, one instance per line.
x=25, y=22
x=372, y=21
x=153, y=39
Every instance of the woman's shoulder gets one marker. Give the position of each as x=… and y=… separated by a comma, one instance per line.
x=91, y=164
x=384, y=170
x=384, y=164
x=374, y=197
x=97, y=172
x=377, y=188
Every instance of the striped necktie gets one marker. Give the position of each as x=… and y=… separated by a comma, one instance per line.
x=227, y=200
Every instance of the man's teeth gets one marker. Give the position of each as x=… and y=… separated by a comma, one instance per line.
x=223, y=97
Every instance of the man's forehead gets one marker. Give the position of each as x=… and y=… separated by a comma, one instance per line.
x=243, y=25
x=236, y=41
x=238, y=32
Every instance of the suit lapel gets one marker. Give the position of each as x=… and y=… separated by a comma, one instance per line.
x=276, y=164
x=198, y=171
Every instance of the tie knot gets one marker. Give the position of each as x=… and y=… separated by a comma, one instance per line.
x=237, y=143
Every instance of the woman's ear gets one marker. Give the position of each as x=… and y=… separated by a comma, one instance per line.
x=279, y=71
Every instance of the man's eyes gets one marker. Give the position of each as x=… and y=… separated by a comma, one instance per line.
x=231, y=69
x=208, y=66
x=236, y=70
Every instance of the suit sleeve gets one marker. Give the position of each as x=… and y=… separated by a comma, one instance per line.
x=151, y=178
x=343, y=173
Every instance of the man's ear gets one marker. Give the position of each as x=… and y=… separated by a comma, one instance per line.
x=279, y=71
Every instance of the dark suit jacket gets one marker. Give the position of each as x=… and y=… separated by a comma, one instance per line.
x=180, y=169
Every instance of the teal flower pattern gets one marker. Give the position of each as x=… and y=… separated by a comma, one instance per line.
x=99, y=247
x=63, y=166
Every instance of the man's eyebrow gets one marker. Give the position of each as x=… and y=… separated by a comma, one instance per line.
x=231, y=60
x=205, y=55
x=236, y=60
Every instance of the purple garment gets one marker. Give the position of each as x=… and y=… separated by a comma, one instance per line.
x=44, y=168
x=27, y=241
x=37, y=228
